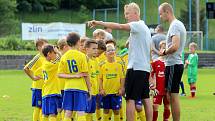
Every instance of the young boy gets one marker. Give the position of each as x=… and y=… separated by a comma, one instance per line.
x=100, y=58
x=91, y=47
x=111, y=84
x=192, y=63
x=37, y=83
x=99, y=34
x=51, y=89
x=121, y=61
x=158, y=69
x=82, y=42
x=76, y=90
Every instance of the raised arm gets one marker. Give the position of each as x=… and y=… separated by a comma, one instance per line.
x=111, y=25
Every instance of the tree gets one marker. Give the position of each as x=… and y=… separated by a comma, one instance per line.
x=8, y=22
x=184, y=17
x=37, y=5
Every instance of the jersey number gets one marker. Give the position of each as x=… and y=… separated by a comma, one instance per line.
x=45, y=75
x=72, y=66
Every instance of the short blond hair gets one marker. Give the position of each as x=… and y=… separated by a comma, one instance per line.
x=166, y=7
x=61, y=43
x=193, y=44
x=40, y=42
x=83, y=39
x=133, y=6
x=99, y=32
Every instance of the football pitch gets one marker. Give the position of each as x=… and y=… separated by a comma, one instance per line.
x=15, y=97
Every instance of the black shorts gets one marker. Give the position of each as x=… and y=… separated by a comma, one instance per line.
x=173, y=76
x=136, y=85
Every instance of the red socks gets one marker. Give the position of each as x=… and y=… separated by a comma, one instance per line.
x=166, y=114
x=193, y=91
x=155, y=115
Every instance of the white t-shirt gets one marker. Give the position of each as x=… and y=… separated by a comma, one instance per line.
x=139, y=46
x=176, y=29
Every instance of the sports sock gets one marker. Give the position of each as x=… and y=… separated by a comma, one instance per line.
x=52, y=118
x=98, y=115
x=116, y=117
x=36, y=114
x=106, y=117
x=141, y=115
x=89, y=117
x=166, y=114
x=155, y=115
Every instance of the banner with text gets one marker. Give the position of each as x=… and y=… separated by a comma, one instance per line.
x=32, y=31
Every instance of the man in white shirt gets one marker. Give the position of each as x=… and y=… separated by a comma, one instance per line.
x=138, y=70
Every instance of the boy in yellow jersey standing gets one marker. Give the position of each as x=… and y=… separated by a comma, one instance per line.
x=51, y=90
x=91, y=47
x=76, y=90
x=100, y=59
x=111, y=84
x=37, y=83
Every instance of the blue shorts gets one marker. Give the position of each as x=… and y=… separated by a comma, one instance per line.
x=111, y=101
x=99, y=100
x=138, y=102
x=61, y=99
x=91, y=105
x=36, y=98
x=50, y=104
x=75, y=100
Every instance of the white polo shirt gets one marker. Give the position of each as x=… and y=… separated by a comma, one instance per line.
x=139, y=46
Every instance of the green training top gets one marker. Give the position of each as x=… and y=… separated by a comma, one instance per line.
x=193, y=65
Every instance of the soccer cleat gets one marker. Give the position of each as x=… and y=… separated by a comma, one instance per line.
x=183, y=94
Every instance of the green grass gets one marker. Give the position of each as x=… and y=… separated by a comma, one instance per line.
x=17, y=107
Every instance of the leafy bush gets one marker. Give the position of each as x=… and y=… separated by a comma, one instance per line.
x=15, y=43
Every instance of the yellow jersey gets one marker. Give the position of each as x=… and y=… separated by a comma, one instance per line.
x=33, y=65
x=93, y=72
x=125, y=62
x=51, y=82
x=74, y=62
x=101, y=58
x=111, y=74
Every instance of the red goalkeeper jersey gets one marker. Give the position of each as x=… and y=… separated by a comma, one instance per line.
x=158, y=69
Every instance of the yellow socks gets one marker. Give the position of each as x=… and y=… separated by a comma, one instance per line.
x=106, y=117
x=98, y=115
x=44, y=118
x=82, y=118
x=66, y=119
x=36, y=114
x=121, y=113
x=141, y=115
x=116, y=117
x=110, y=114
x=52, y=118
x=59, y=116
x=89, y=117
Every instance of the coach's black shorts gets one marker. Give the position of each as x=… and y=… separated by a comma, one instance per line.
x=136, y=85
x=173, y=76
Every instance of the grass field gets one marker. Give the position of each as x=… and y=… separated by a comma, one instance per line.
x=15, y=97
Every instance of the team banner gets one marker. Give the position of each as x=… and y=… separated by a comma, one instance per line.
x=57, y=30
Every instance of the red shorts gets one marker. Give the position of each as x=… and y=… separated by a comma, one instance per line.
x=158, y=99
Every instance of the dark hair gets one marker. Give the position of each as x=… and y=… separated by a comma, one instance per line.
x=160, y=27
x=110, y=41
x=46, y=49
x=72, y=39
x=101, y=45
x=89, y=42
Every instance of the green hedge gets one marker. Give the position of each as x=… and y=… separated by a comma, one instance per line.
x=13, y=42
